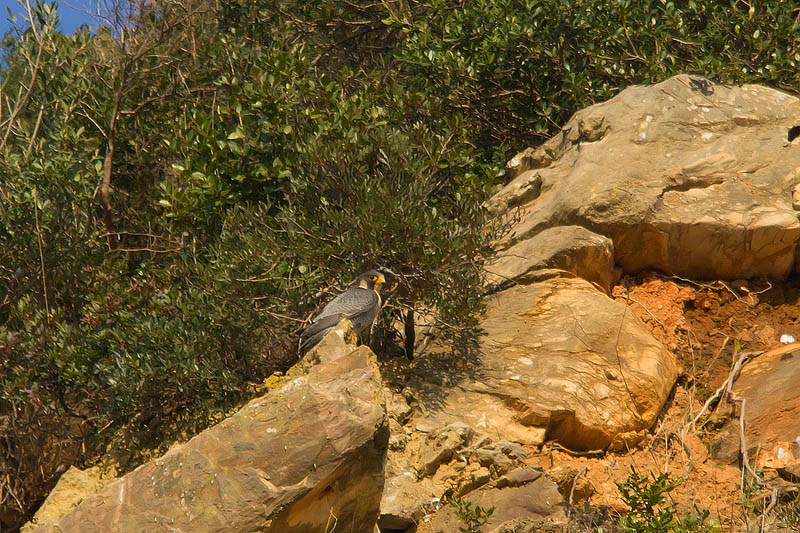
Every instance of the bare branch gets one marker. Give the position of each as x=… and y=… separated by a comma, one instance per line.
x=35, y=131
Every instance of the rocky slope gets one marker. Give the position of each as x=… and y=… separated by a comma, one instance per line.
x=685, y=177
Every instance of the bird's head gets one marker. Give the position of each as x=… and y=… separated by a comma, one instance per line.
x=372, y=279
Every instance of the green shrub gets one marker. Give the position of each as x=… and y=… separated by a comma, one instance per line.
x=472, y=517
x=788, y=514
x=648, y=511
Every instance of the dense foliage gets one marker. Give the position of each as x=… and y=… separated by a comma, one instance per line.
x=180, y=188
x=518, y=69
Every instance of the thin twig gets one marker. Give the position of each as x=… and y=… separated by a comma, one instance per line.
x=733, y=397
x=335, y=521
x=35, y=131
x=621, y=371
x=20, y=105
x=145, y=249
x=717, y=284
x=587, y=453
x=687, y=43
x=669, y=435
x=743, y=441
x=773, y=498
x=727, y=384
x=711, y=362
x=575, y=482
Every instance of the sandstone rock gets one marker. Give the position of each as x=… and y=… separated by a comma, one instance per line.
x=518, y=477
x=531, y=525
x=796, y=197
x=295, y=460
x=405, y=500
x=442, y=446
x=523, y=189
x=399, y=435
x=501, y=456
x=459, y=477
x=536, y=499
x=695, y=182
x=477, y=477
x=790, y=472
x=528, y=159
x=73, y=486
x=561, y=360
x=772, y=412
x=571, y=248
x=397, y=407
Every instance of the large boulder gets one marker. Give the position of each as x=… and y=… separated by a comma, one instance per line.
x=302, y=458
x=686, y=176
x=563, y=361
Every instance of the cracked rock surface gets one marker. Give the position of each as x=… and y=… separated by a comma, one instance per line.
x=561, y=361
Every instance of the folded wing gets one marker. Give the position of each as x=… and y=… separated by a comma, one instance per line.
x=358, y=304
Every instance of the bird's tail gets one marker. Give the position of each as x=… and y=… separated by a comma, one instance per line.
x=311, y=335
x=309, y=342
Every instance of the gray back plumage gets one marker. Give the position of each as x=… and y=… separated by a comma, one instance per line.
x=360, y=303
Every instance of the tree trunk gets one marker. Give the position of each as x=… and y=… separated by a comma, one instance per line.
x=410, y=334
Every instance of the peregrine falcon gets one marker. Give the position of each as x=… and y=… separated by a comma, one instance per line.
x=360, y=303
